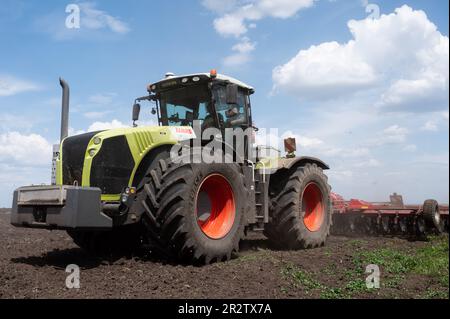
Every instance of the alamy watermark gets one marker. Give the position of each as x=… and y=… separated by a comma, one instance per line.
x=73, y=279
x=73, y=19
x=230, y=145
x=373, y=280
x=373, y=10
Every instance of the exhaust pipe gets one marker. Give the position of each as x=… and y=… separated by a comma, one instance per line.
x=64, y=109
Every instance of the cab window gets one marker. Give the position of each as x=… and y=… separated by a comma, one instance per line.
x=230, y=115
x=180, y=107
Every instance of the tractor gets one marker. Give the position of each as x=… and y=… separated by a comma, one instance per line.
x=181, y=187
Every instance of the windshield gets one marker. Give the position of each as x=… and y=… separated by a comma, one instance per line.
x=180, y=107
x=231, y=115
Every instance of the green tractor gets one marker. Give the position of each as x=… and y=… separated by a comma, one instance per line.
x=183, y=187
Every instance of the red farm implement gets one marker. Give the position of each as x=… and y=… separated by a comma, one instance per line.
x=388, y=218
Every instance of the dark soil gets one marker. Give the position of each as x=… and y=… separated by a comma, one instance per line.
x=33, y=264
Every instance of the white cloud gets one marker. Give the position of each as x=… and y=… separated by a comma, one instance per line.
x=236, y=17
x=93, y=18
x=302, y=140
x=395, y=130
x=94, y=24
x=235, y=23
x=99, y=126
x=10, y=122
x=369, y=163
x=25, y=159
x=445, y=115
x=324, y=71
x=308, y=142
x=430, y=126
x=10, y=85
x=314, y=146
x=230, y=25
x=340, y=175
x=401, y=55
x=410, y=148
x=31, y=150
x=357, y=152
x=73, y=131
x=219, y=6
x=439, y=159
x=242, y=53
x=245, y=46
x=394, y=134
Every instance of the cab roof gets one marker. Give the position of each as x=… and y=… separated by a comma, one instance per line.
x=170, y=77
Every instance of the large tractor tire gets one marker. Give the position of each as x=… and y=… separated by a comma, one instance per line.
x=432, y=215
x=300, y=209
x=194, y=213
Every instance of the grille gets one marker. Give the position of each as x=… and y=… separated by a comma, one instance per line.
x=73, y=151
x=112, y=166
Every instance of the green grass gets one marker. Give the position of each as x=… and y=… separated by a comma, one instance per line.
x=435, y=294
x=430, y=261
x=389, y=260
x=302, y=279
x=355, y=243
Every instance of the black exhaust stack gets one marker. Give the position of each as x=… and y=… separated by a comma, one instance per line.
x=64, y=109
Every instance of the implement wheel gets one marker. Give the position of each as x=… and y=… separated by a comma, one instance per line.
x=432, y=215
x=300, y=212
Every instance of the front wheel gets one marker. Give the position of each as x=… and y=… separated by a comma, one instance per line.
x=195, y=212
x=300, y=210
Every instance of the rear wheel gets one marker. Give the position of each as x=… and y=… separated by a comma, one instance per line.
x=195, y=212
x=300, y=212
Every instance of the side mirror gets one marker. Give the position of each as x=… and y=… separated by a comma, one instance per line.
x=232, y=94
x=136, y=111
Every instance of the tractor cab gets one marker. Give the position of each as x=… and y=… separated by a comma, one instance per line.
x=214, y=100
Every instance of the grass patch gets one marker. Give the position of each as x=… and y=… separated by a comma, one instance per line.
x=355, y=243
x=300, y=278
x=389, y=260
x=435, y=294
x=431, y=260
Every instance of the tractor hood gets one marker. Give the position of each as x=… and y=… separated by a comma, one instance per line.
x=109, y=159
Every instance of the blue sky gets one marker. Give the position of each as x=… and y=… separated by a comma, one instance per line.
x=368, y=96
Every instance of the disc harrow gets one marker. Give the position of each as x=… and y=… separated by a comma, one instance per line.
x=393, y=218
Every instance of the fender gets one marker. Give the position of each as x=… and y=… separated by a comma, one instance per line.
x=289, y=163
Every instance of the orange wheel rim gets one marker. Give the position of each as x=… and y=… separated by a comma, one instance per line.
x=215, y=206
x=312, y=204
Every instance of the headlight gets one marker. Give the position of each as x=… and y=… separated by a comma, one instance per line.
x=97, y=140
x=92, y=152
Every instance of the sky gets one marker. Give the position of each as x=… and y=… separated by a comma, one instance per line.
x=362, y=85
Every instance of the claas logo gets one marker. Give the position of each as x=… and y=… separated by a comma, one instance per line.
x=183, y=130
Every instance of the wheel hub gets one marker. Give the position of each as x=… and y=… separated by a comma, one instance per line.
x=313, y=206
x=215, y=206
